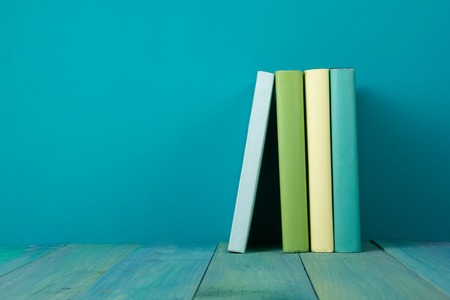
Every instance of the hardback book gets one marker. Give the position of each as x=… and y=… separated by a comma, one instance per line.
x=292, y=160
x=251, y=164
x=317, y=94
x=347, y=236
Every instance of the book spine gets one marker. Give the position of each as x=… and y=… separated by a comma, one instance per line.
x=292, y=160
x=345, y=161
x=251, y=164
x=317, y=94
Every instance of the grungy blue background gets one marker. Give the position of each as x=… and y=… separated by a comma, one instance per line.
x=125, y=121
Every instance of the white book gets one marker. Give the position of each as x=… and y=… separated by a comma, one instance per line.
x=251, y=164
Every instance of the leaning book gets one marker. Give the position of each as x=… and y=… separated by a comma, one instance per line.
x=251, y=164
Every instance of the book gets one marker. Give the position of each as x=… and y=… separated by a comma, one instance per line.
x=292, y=160
x=317, y=98
x=265, y=230
x=251, y=163
x=347, y=237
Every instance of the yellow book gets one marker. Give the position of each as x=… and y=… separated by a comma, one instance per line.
x=317, y=98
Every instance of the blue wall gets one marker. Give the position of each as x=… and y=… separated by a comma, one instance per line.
x=125, y=121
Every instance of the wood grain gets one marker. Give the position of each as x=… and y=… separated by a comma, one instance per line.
x=155, y=272
x=266, y=274
x=13, y=257
x=431, y=260
x=62, y=274
x=371, y=274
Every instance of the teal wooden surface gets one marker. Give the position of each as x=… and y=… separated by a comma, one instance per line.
x=404, y=270
x=255, y=275
x=169, y=272
x=13, y=257
x=431, y=260
x=62, y=274
x=371, y=274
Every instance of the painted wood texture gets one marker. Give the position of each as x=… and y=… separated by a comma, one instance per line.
x=64, y=273
x=404, y=270
x=155, y=272
x=255, y=275
x=371, y=274
x=13, y=257
x=430, y=260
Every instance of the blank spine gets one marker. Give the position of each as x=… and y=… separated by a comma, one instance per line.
x=292, y=160
x=345, y=161
x=251, y=163
x=317, y=92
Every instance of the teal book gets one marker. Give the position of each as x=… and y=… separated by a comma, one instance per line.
x=347, y=236
x=292, y=160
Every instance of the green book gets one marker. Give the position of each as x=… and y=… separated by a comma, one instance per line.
x=292, y=160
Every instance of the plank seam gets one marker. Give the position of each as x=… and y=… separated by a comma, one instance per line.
x=206, y=270
x=307, y=274
x=420, y=276
x=32, y=261
x=139, y=247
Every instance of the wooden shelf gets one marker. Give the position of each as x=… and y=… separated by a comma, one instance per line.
x=384, y=270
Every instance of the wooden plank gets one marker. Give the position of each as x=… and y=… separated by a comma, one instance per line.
x=13, y=257
x=431, y=260
x=265, y=274
x=371, y=274
x=155, y=272
x=64, y=273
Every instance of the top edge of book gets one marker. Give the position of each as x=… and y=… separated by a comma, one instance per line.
x=339, y=68
x=314, y=69
x=317, y=71
x=288, y=71
x=265, y=73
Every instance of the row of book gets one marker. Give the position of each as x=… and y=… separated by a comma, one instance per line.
x=317, y=156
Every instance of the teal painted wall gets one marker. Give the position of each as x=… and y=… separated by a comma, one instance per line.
x=125, y=121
